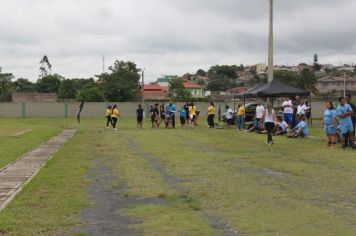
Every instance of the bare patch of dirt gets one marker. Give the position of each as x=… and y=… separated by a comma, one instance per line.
x=104, y=217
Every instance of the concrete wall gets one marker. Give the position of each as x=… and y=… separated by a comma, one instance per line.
x=97, y=110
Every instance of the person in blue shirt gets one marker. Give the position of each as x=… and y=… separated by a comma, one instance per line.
x=168, y=116
x=173, y=109
x=300, y=130
x=330, y=123
x=183, y=115
x=344, y=112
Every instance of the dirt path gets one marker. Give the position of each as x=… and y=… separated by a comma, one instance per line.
x=14, y=176
x=104, y=217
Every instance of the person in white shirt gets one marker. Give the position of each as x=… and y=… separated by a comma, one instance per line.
x=260, y=109
x=282, y=127
x=229, y=116
x=270, y=120
x=301, y=109
x=288, y=111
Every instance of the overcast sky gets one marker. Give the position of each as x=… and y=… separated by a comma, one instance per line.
x=170, y=36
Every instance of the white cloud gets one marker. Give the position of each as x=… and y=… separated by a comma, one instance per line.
x=169, y=36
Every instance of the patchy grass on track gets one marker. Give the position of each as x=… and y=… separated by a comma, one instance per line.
x=296, y=187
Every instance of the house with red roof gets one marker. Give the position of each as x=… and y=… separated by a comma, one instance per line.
x=155, y=92
x=195, y=89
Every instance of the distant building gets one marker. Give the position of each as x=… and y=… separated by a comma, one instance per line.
x=195, y=89
x=164, y=81
x=260, y=68
x=335, y=84
x=155, y=92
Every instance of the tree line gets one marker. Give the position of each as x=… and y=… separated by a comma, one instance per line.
x=120, y=83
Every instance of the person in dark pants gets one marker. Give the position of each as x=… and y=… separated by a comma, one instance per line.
x=297, y=102
x=353, y=106
x=270, y=121
x=108, y=114
x=211, y=115
x=345, y=112
x=173, y=110
x=115, y=115
x=139, y=116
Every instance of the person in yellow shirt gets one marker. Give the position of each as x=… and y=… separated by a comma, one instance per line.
x=193, y=114
x=114, y=116
x=241, y=113
x=108, y=114
x=211, y=115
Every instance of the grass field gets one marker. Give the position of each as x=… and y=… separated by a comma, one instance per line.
x=208, y=181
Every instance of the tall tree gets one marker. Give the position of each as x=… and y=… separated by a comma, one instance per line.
x=45, y=67
x=177, y=91
x=308, y=80
x=316, y=64
x=49, y=83
x=121, y=83
x=5, y=86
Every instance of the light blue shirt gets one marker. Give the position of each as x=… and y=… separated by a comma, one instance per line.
x=342, y=110
x=303, y=126
x=329, y=116
x=172, y=109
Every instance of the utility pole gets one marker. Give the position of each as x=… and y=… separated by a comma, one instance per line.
x=344, y=84
x=270, y=43
x=143, y=88
x=103, y=63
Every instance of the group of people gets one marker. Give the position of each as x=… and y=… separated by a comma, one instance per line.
x=166, y=114
x=339, y=123
x=112, y=115
x=292, y=120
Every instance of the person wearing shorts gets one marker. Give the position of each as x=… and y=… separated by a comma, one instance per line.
x=345, y=112
x=193, y=114
x=300, y=130
x=182, y=116
x=282, y=127
x=330, y=123
x=353, y=106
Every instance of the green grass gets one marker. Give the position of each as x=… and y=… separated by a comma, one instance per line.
x=38, y=131
x=296, y=187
